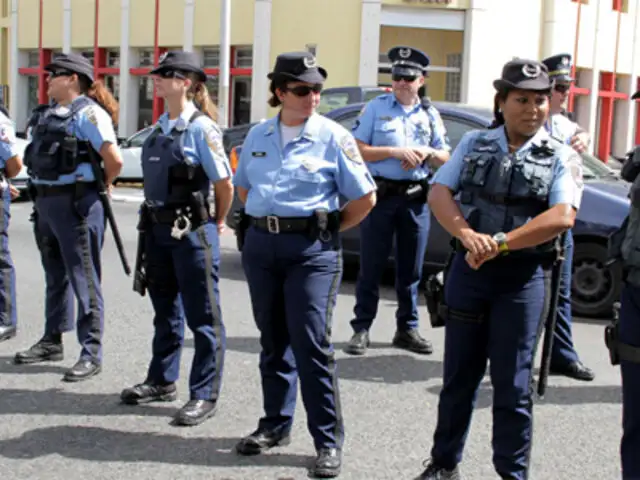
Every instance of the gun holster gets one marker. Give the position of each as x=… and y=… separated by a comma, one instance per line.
x=611, y=340
x=323, y=225
x=434, y=296
x=242, y=221
x=419, y=191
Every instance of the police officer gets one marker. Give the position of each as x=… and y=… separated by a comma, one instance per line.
x=519, y=189
x=564, y=358
x=10, y=166
x=181, y=159
x=63, y=161
x=402, y=141
x=292, y=171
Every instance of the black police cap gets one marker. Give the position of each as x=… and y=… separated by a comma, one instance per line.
x=559, y=67
x=178, y=60
x=524, y=75
x=408, y=61
x=299, y=66
x=72, y=62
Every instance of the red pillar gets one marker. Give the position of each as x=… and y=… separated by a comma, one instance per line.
x=606, y=116
x=158, y=102
x=637, y=142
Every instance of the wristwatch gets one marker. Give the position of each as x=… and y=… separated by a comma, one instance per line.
x=501, y=239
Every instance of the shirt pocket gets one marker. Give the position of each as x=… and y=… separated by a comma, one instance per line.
x=387, y=132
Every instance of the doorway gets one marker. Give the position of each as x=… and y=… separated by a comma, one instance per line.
x=241, y=95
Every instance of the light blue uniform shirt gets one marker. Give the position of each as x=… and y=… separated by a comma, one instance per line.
x=561, y=128
x=201, y=143
x=8, y=149
x=309, y=173
x=384, y=123
x=93, y=124
x=566, y=185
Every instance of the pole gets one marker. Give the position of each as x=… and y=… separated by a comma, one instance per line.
x=225, y=53
x=575, y=55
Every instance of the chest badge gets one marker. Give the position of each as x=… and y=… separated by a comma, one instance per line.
x=310, y=165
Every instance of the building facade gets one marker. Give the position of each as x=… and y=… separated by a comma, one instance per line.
x=468, y=42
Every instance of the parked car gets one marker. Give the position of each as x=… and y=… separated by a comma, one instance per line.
x=131, y=150
x=20, y=180
x=595, y=286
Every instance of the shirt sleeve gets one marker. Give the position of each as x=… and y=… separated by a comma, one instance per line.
x=567, y=184
x=8, y=149
x=354, y=180
x=210, y=150
x=449, y=173
x=439, y=139
x=94, y=125
x=362, y=129
x=240, y=178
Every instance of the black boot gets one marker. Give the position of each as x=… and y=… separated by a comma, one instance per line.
x=262, y=440
x=148, y=392
x=47, y=349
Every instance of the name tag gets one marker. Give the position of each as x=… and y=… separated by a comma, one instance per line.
x=154, y=159
x=258, y=154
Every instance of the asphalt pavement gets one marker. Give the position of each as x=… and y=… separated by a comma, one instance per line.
x=54, y=430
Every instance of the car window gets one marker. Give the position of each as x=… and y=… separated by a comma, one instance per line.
x=371, y=94
x=456, y=129
x=348, y=119
x=594, y=168
x=331, y=101
x=138, y=139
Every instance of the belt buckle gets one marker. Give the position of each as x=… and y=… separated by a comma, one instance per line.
x=273, y=225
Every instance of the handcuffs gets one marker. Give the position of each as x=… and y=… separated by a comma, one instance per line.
x=181, y=225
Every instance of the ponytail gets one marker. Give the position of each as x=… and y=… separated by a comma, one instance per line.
x=102, y=96
x=200, y=96
x=498, y=117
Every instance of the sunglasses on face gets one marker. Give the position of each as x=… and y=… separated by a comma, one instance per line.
x=171, y=74
x=60, y=73
x=304, y=90
x=562, y=88
x=396, y=77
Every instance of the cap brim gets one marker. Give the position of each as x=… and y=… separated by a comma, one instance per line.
x=535, y=85
x=318, y=75
x=51, y=67
x=413, y=72
x=563, y=79
x=202, y=76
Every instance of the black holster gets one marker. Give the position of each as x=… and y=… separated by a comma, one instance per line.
x=243, y=221
x=325, y=225
x=139, y=275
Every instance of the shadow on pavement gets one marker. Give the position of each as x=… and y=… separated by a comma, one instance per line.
x=7, y=366
x=104, y=445
x=59, y=402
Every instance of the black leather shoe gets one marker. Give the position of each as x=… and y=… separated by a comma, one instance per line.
x=46, y=350
x=7, y=332
x=327, y=464
x=412, y=341
x=82, y=370
x=195, y=412
x=576, y=370
x=436, y=472
x=147, y=392
x=358, y=344
x=262, y=440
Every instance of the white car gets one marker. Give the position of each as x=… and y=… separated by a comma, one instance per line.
x=131, y=149
x=20, y=180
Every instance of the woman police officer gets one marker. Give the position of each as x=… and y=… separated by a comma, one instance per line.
x=292, y=170
x=10, y=166
x=517, y=180
x=181, y=158
x=62, y=161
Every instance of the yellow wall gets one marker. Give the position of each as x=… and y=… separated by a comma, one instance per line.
x=171, y=27
x=109, y=20
x=207, y=22
x=454, y=4
x=52, y=24
x=435, y=43
x=28, y=15
x=83, y=16
x=142, y=15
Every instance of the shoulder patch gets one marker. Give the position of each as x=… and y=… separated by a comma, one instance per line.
x=213, y=138
x=574, y=163
x=91, y=115
x=350, y=148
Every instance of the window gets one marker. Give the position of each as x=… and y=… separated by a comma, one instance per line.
x=371, y=94
x=88, y=54
x=32, y=96
x=332, y=101
x=211, y=57
x=244, y=57
x=145, y=58
x=348, y=120
x=33, y=59
x=113, y=59
x=453, y=79
x=456, y=130
x=212, y=87
x=112, y=82
x=138, y=139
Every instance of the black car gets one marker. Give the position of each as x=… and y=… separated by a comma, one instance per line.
x=605, y=204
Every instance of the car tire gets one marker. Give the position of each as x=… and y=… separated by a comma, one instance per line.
x=594, y=286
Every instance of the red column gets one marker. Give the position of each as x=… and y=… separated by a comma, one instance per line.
x=158, y=102
x=606, y=115
x=637, y=142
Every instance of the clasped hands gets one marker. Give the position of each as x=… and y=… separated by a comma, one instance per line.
x=480, y=248
x=411, y=157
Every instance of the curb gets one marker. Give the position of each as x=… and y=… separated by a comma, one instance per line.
x=127, y=198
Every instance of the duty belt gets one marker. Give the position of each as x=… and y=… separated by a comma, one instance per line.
x=396, y=187
x=168, y=215
x=79, y=189
x=273, y=224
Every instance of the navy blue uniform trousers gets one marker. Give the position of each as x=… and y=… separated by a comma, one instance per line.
x=8, y=310
x=409, y=221
x=512, y=294
x=630, y=334
x=183, y=277
x=294, y=282
x=70, y=233
x=563, y=351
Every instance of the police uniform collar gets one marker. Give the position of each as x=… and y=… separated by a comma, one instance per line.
x=394, y=101
x=310, y=129
x=183, y=118
x=501, y=134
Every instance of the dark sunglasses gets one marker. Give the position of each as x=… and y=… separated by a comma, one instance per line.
x=60, y=73
x=304, y=90
x=561, y=88
x=171, y=74
x=396, y=77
